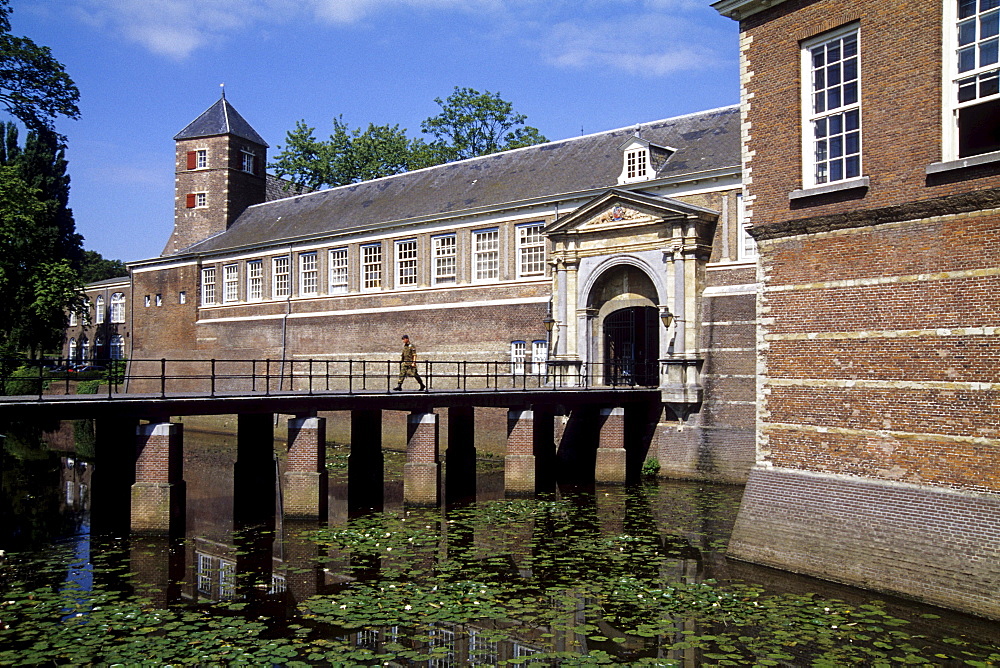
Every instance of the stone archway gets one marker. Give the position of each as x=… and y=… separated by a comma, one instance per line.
x=624, y=337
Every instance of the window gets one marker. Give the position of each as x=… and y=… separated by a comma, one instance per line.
x=227, y=579
x=636, y=162
x=159, y=300
x=748, y=245
x=204, y=573
x=976, y=79
x=371, y=267
x=486, y=254
x=207, y=287
x=182, y=297
x=338, y=271
x=406, y=262
x=84, y=349
x=255, y=280
x=281, y=277
x=99, y=310
x=832, y=107
x=147, y=301
x=73, y=319
x=308, y=274
x=72, y=351
x=197, y=159
x=197, y=200
x=247, y=162
x=530, y=250
x=517, y=352
x=539, y=356
x=445, y=264
x=230, y=283
x=117, y=349
x=118, y=307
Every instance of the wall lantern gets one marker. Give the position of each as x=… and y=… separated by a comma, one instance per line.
x=549, y=322
x=666, y=317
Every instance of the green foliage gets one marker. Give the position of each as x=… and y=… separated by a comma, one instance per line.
x=24, y=380
x=34, y=86
x=89, y=386
x=473, y=123
x=94, y=267
x=651, y=466
x=470, y=124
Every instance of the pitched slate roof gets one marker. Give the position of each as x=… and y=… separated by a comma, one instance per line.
x=220, y=119
x=703, y=142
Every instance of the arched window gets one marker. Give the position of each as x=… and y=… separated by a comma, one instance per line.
x=539, y=356
x=99, y=310
x=71, y=352
x=118, y=307
x=117, y=349
x=84, y=349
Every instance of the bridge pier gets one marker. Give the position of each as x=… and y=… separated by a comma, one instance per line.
x=254, y=472
x=422, y=470
x=114, y=474
x=519, y=464
x=365, y=464
x=306, y=485
x=158, y=493
x=611, y=457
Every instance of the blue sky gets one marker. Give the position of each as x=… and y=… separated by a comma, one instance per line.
x=146, y=68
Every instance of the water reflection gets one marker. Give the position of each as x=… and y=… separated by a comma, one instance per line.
x=580, y=576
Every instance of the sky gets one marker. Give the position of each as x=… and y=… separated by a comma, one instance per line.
x=147, y=68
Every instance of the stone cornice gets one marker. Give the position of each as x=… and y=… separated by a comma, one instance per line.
x=741, y=9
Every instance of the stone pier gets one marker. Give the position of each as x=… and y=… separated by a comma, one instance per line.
x=158, y=492
x=422, y=470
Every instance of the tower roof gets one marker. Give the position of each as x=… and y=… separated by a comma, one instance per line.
x=220, y=119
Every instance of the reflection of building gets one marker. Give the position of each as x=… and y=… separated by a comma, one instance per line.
x=630, y=242
x=872, y=148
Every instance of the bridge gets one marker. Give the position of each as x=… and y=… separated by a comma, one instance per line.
x=133, y=402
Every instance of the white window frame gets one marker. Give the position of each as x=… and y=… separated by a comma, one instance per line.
x=539, y=356
x=308, y=274
x=116, y=347
x=73, y=319
x=99, y=310
x=337, y=270
x=201, y=200
x=72, y=351
x=371, y=267
x=281, y=277
x=159, y=300
x=637, y=164
x=116, y=307
x=207, y=287
x=445, y=250
x=182, y=297
x=247, y=159
x=530, y=249
x=840, y=124
x=518, y=355
x=205, y=573
x=956, y=83
x=747, y=249
x=201, y=158
x=486, y=255
x=255, y=280
x=230, y=283
x=406, y=263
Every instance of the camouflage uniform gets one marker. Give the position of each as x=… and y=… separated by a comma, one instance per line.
x=408, y=366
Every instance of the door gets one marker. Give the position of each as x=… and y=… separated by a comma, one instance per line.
x=632, y=347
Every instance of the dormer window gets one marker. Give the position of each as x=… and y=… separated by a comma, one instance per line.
x=636, y=164
x=641, y=160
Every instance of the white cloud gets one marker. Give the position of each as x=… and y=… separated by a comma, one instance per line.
x=649, y=44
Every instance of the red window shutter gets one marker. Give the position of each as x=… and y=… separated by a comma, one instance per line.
x=192, y=159
x=190, y=201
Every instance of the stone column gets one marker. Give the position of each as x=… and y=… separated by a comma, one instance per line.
x=158, y=492
x=519, y=464
x=610, y=467
x=460, y=464
x=306, y=486
x=365, y=464
x=422, y=470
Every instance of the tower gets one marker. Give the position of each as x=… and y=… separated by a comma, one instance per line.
x=219, y=165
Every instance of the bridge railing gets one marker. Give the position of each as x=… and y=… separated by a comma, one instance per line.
x=220, y=377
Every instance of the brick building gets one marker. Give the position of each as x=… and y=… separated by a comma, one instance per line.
x=102, y=331
x=871, y=162
x=606, y=235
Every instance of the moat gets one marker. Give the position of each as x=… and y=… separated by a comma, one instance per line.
x=583, y=576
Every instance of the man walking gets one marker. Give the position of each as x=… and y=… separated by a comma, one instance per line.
x=408, y=365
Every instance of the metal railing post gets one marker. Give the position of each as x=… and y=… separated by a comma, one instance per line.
x=163, y=377
x=212, y=385
x=267, y=377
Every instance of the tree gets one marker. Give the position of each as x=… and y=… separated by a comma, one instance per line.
x=34, y=86
x=97, y=268
x=472, y=124
x=36, y=285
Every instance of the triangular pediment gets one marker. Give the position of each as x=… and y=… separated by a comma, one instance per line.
x=623, y=208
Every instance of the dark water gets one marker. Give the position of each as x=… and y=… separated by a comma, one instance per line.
x=581, y=577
